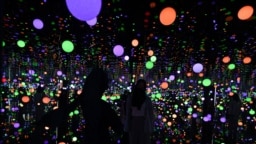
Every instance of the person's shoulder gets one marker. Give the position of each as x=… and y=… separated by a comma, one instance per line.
x=148, y=99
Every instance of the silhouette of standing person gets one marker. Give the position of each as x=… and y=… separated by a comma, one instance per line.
x=98, y=114
x=233, y=113
x=140, y=118
x=123, y=98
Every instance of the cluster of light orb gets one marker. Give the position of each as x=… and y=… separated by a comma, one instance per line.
x=88, y=11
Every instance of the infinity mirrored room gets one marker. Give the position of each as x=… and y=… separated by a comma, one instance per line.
x=193, y=54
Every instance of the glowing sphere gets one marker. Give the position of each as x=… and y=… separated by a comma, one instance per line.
x=118, y=50
x=152, y=4
x=223, y=119
x=174, y=115
x=31, y=72
x=25, y=99
x=38, y=23
x=76, y=112
x=4, y=80
x=226, y=59
x=231, y=66
x=135, y=42
x=153, y=58
x=171, y=77
x=84, y=10
x=189, y=74
x=206, y=119
x=149, y=65
x=252, y=112
x=150, y=53
x=197, y=68
x=247, y=60
x=207, y=82
x=46, y=100
x=16, y=125
x=21, y=43
x=245, y=12
x=194, y=115
x=164, y=85
x=201, y=74
x=167, y=16
x=126, y=58
x=74, y=139
x=59, y=73
x=67, y=46
x=92, y=22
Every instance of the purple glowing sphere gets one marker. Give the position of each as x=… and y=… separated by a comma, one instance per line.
x=84, y=10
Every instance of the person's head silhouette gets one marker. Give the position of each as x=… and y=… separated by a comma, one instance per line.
x=141, y=84
x=96, y=83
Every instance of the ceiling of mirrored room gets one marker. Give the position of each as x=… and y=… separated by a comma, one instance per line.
x=203, y=32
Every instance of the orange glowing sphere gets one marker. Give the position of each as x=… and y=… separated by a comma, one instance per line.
x=201, y=74
x=189, y=74
x=46, y=100
x=247, y=60
x=245, y=12
x=150, y=52
x=226, y=59
x=167, y=16
x=135, y=42
x=25, y=99
x=164, y=85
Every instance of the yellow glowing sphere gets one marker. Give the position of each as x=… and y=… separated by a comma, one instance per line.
x=245, y=12
x=167, y=16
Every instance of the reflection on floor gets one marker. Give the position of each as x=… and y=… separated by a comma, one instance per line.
x=179, y=116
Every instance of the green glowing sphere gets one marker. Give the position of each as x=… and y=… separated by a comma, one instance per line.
x=149, y=64
x=67, y=46
x=252, y=112
x=153, y=58
x=231, y=66
x=21, y=43
x=207, y=82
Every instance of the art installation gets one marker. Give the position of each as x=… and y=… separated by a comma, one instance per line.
x=193, y=54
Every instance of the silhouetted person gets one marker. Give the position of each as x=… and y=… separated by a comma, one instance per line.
x=233, y=113
x=53, y=119
x=123, y=98
x=98, y=114
x=140, y=118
